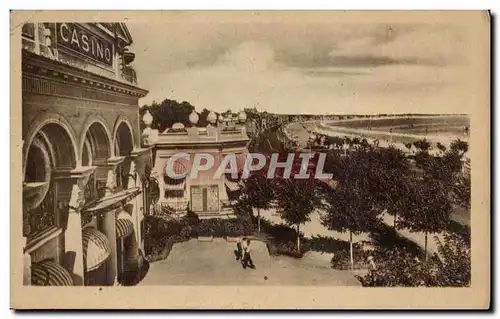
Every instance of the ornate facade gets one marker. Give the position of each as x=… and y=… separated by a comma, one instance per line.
x=205, y=195
x=84, y=171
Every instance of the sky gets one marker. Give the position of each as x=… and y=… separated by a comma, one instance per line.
x=323, y=68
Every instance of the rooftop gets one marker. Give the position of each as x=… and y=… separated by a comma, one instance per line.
x=222, y=130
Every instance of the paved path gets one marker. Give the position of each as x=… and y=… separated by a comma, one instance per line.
x=213, y=263
x=313, y=227
x=418, y=238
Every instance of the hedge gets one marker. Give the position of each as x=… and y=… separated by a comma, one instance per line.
x=160, y=234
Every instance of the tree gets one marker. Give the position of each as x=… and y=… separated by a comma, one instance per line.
x=461, y=190
x=258, y=193
x=351, y=205
x=459, y=172
x=444, y=166
x=453, y=261
x=427, y=208
x=336, y=141
x=296, y=201
x=168, y=112
x=389, y=178
x=396, y=267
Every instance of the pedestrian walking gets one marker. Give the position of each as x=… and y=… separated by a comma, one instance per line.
x=239, y=248
x=247, y=257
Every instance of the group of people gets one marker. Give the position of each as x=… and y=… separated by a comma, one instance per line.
x=242, y=253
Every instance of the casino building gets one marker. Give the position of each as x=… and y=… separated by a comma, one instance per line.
x=84, y=171
x=206, y=196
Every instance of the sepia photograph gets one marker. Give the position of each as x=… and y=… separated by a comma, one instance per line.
x=215, y=152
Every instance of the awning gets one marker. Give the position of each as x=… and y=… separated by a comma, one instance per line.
x=96, y=248
x=176, y=187
x=232, y=186
x=179, y=167
x=49, y=273
x=124, y=225
x=240, y=161
x=113, y=201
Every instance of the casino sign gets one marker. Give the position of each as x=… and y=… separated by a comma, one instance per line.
x=78, y=39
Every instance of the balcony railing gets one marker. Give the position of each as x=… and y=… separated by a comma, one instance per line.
x=227, y=204
x=175, y=206
x=194, y=135
x=94, y=190
x=38, y=220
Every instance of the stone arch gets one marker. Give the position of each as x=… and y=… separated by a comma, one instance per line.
x=61, y=137
x=123, y=144
x=95, y=141
x=123, y=137
x=50, y=146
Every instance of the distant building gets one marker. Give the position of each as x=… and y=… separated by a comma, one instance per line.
x=83, y=168
x=204, y=195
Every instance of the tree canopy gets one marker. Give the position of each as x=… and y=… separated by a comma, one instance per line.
x=168, y=112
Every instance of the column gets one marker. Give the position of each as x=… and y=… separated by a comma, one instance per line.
x=106, y=173
x=26, y=266
x=26, y=257
x=106, y=224
x=138, y=167
x=132, y=183
x=73, y=244
x=70, y=188
x=136, y=202
x=37, y=37
x=161, y=186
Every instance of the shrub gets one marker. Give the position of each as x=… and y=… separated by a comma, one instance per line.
x=161, y=234
x=281, y=232
x=399, y=267
x=326, y=244
x=188, y=232
x=222, y=228
x=342, y=258
x=286, y=249
x=211, y=227
x=233, y=228
x=243, y=210
x=283, y=240
x=246, y=226
x=453, y=261
x=156, y=248
x=192, y=218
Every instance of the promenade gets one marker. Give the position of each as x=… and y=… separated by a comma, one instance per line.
x=214, y=263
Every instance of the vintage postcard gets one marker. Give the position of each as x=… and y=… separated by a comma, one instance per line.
x=250, y=160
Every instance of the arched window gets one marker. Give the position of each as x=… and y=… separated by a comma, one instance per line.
x=51, y=148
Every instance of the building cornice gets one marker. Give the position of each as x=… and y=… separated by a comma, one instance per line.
x=203, y=145
x=64, y=71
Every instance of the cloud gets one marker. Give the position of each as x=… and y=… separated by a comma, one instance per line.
x=432, y=45
x=379, y=46
x=254, y=73
x=248, y=56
